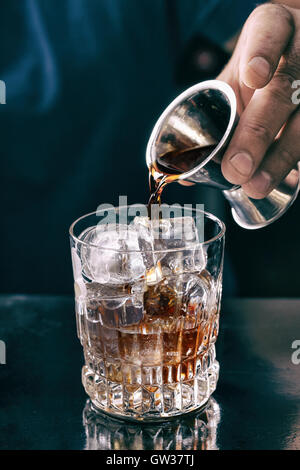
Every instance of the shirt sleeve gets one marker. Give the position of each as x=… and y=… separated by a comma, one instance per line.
x=219, y=20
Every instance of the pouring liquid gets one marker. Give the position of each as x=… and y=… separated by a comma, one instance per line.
x=170, y=166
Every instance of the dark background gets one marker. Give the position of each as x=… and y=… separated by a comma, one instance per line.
x=52, y=163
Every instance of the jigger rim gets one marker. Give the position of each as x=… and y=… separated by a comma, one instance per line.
x=208, y=84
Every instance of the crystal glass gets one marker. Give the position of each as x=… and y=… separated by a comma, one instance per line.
x=147, y=310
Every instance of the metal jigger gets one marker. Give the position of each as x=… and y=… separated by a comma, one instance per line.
x=205, y=115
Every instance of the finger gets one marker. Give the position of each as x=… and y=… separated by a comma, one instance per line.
x=266, y=113
x=280, y=160
x=260, y=123
x=268, y=32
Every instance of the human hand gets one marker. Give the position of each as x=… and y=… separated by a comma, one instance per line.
x=262, y=71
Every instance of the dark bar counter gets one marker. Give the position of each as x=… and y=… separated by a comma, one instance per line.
x=256, y=405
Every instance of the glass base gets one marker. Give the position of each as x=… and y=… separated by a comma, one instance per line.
x=155, y=402
x=149, y=419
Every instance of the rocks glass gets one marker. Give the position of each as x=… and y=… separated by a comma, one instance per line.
x=147, y=297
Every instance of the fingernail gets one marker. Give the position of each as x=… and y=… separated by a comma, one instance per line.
x=243, y=163
x=260, y=66
x=261, y=182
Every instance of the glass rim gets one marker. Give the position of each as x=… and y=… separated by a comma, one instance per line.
x=206, y=214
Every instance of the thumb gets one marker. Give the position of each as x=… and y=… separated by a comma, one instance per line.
x=267, y=33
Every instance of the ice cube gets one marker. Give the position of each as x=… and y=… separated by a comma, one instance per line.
x=143, y=227
x=114, y=306
x=180, y=235
x=178, y=232
x=111, y=254
x=79, y=285
x=175, y=297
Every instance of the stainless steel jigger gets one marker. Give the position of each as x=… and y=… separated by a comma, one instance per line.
x=206, y=114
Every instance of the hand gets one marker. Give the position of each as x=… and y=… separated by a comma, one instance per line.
x=266, y=62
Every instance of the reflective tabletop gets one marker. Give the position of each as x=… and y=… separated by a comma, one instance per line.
x=43, y=405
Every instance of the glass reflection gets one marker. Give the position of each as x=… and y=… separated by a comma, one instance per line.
x=197, y=431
